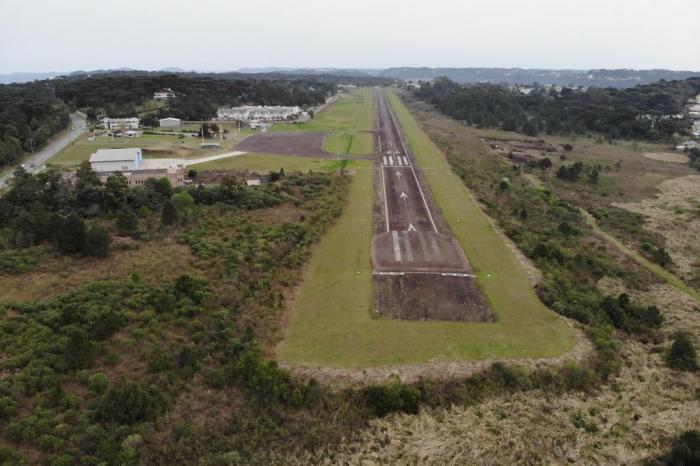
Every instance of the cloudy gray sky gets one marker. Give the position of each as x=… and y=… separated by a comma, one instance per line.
x=217, y=35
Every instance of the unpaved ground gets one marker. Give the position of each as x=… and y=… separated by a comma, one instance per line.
x=430, y=297
x=674, y=157
x=631, y=419
x=675, y=214
x=300, y=144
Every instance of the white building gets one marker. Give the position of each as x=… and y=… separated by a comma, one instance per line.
x=109, y=160
x=246, y=113
x=130, y=163
x=169, y=122
x=120, y=123
x=164, y=94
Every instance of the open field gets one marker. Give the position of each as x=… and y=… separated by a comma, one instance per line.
x=360, y=143
x=353, y=111
x=166, y=145
x=342, y=332
x=263, y=163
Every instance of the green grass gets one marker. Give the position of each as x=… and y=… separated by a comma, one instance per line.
x=644, y=262
x=263, y=163
x=352, y=111
x=81, y=149
x=349, y=143
x=332, y=323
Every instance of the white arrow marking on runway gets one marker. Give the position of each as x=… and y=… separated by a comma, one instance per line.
x=398, y=174
x=404, y=197
x=411, y=227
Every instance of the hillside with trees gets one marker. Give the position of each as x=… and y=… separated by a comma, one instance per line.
x=29, y=115
x=646, y=112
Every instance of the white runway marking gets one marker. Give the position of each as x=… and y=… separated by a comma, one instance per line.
x=397, y=246
x=386, y=207
x=385, y=161
x=391, y=160
x=409, y=249
x=405, y=160
x=420, y=190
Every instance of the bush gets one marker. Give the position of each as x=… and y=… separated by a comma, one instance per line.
x=682, y=355
x=97, y=242
x=71, y=235
x=169, y=214
x=131, y=402
x=686, y=449
x=127, y=222
x=385, y=399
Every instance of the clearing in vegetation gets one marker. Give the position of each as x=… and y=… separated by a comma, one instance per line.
x=342, y=332
x=349, y=120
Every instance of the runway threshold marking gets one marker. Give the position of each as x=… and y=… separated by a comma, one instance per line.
x=420, y=190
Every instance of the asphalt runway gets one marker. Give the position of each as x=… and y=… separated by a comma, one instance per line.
x=421, y=272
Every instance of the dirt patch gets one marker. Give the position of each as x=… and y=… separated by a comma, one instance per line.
x=430, y=297
x=300, y=144
x=674, y=213
x=673, y=157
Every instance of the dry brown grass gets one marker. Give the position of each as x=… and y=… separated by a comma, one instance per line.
x=155, y=261
x=630, y=419
x=673, y=157
x=673, y=213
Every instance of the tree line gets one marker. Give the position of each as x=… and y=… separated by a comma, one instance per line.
x=29, y=115
x=643, y=112
x=197, y=97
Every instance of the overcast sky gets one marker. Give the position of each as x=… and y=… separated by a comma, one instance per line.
x=219, y=35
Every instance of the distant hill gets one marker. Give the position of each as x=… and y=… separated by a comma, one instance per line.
x=619, y=78
x=26, y=77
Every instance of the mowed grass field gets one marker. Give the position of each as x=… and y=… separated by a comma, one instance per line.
x=349, y=143
x=331, y=323
x=167, y=146
x=263, y=163
x=349, y=121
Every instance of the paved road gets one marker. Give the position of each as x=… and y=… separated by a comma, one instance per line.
x=51, y=149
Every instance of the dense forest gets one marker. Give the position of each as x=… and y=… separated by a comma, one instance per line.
x=197, y=97
x=640, y=112
x=29, y=115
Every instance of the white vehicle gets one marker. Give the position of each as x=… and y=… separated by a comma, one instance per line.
x=32, y=164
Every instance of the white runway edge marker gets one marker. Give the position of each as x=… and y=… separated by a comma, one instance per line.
x=397, y=246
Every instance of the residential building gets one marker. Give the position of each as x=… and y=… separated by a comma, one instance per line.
x=169, y=122
x=164, y=94
x=120, y=123
x=263, y=113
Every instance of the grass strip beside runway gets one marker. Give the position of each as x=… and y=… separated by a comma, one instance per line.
x=332, y=325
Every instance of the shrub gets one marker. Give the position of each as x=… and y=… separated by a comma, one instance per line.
x=682, y=355
x=385, y=399
x=97, y=242
x=127, y=223
x=131, y=402
x=71, y=235
x=686, y=449
x=169, y=214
